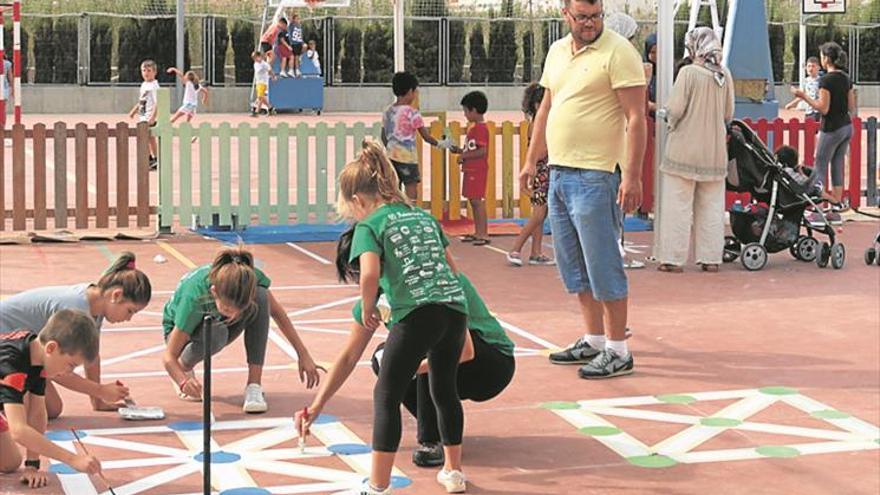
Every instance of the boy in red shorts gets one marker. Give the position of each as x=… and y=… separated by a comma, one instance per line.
x=474, y=164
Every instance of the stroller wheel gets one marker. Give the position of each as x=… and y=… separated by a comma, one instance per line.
x=731, y=249
x=807, y=248
x=824, y=255
x=753, y=257
x=838, y=256
x=870, y=254
x=793, y=249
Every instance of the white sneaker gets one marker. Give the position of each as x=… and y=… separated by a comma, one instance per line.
x=454, y=481
x=514, y=258
x=254, y=402
x=366, y=489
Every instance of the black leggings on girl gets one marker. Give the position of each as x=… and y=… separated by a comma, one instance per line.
x=480, y=379
x=437, y=332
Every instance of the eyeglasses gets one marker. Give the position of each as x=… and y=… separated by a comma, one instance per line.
x=583, y=19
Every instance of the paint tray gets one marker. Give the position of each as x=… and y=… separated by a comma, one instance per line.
x=134, y=412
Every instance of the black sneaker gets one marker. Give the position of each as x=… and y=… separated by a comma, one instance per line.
x=154, y=163
x=428, y=455
x=606, y=365
x=579, y=353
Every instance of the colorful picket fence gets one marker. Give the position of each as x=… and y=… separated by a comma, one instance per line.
x=48, y=189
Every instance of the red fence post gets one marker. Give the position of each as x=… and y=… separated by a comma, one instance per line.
x=855, y=164
x=794, y=129
x=811, y=128
x=778, y=131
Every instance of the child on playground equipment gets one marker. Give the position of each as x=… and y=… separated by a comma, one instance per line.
x=312, y=54
x=474, y=164
x=262, y=72
x=147, y=105
x=402, y=250
x=295, y=38
x=27, y=360
x=192, y=88
x=270, y=37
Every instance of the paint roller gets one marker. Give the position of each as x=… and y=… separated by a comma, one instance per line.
x=134, y=412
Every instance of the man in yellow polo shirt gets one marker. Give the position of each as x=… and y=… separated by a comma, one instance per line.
x=592, y=123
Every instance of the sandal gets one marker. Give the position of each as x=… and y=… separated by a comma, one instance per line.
x=481, y=242
x=669, y=268
x=467, y=238
x=514, y=258
x=709, y=267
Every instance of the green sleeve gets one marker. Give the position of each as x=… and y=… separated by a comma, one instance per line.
x=189, y=313
x=364, y=241
x=262, y=280
x=356, y=312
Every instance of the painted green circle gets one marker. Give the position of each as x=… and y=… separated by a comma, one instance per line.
x=777, y=451
x=675, y=399
x=599, y=431
x=652, y=461
x=778, y=391
x=720, y=422
x=561, y=405
x=829, y=414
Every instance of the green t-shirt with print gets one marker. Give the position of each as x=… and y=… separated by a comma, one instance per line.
x=192, y=300
x=412, y=249
x=480, y=319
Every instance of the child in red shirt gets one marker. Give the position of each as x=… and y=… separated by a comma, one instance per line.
x=475, y=166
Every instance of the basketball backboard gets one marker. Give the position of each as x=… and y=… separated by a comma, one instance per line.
x=823, y=7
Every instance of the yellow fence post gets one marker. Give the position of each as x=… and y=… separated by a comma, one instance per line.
x=454, y=174
x=436, y=174
x=507, y=169
x=491, y=198
x=525, y=204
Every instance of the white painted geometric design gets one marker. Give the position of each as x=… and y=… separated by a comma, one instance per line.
x=853, y=434
x=257, y=452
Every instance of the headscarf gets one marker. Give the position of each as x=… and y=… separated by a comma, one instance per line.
x=622, y=24
x=703, y=46
x=650, y=42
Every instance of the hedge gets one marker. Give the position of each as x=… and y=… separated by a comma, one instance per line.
x=100, y=50
x=378, y=52
x=350, y=64
x=244, y=40
x=502, y=46
x=479, y=66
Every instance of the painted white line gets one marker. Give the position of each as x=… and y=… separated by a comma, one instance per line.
x=644, y=400
x=146, y=374
x=265, y=439
x=832, y=447
x=283, y=344
x=131, y=329
x=78, y=483
x=288, y=454
x=336, y=487
x=303, y=471
x=134, y=463
x=717, y=456
x=797, y=431
x=307, y=328
x=528, y=335
x=283, y=288
x=724, y=394
x=644, y=414
x=341, y=302
x=151, y=313
x=132, y=355
x=319, y=259
x=136, y=430
x=144, y=448
x=157, y=479
x=852, y=424
x=747, y=407
x=622, y=443
x=252, y=424
x=323, y=320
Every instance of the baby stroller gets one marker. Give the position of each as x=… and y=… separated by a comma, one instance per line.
x=773, y=220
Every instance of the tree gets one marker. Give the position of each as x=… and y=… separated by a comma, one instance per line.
x=528, y=48
x=502, y=46
x=350, y=65
x=421, y=40
x=776, y=34
x=100, y=47
x=64, y=41
x=221, y=41
x=816, y=36
x=43, y=51
x=379, y=52
x=456, y=51
x=478, y=55
x=244, y=38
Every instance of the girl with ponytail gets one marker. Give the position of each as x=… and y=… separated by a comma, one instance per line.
x=236, y=294
x=122, y=291
x=835, y=103
x=402, y=252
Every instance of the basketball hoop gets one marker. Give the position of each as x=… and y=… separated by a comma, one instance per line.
x=823, y=7
x=313, y=4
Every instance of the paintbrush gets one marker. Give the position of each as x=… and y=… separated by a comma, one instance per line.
x=83, y=446
x=302, y=437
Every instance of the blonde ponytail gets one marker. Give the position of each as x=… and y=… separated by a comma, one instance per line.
x=370, y=174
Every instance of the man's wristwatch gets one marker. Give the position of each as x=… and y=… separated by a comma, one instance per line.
x=32, y=463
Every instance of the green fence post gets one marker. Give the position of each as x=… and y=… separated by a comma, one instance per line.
x=244, y=174
x=321, y=205
x=302, y=173
x=264, y=204
x=224, y=160
x=206, y=173
x=185, y=175
x=283, y=173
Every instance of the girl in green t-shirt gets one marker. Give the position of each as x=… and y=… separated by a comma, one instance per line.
x=402, y=250
x=485, y=368
x=237, y=295
x=122, y=291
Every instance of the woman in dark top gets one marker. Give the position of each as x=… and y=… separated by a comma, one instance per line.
x=836, y=101
x=651, y=58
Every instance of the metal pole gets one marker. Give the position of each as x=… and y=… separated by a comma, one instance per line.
x=206, y=406
x=16, y=57
x=802, y=49
x=3, y=76
x=399, y=60
x=665, y=62
x=180, y=47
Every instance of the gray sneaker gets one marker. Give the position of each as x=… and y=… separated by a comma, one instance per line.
x=606, y=365
x=579, y=353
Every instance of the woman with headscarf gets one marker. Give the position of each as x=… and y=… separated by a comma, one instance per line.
x=695, y=164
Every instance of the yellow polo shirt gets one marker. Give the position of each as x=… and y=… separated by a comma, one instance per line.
x=586, y=127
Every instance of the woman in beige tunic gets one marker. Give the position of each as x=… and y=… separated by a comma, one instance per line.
x=695, y=164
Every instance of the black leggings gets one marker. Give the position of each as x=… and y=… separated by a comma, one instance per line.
x=435, y=331
x=480, y=379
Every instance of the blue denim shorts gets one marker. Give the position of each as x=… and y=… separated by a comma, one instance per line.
x=586, y=221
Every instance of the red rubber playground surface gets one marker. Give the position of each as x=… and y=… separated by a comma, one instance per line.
x=763, y=382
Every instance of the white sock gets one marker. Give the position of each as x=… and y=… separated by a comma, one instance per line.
x=619, y=347
x=595, y=341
